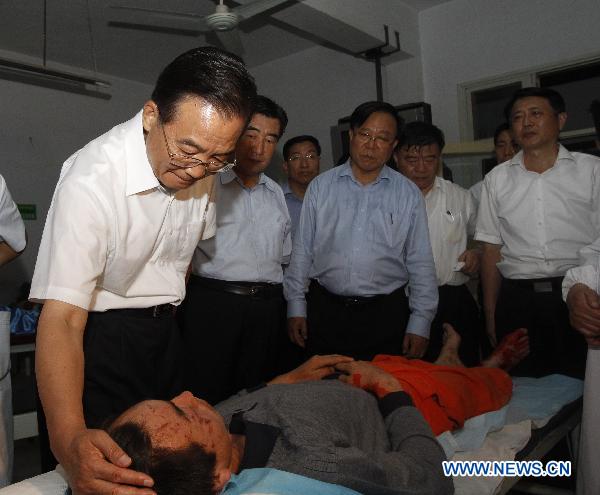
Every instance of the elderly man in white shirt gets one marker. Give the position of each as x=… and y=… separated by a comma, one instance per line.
x=12, y=229
x=537, y=211
x=451, y=218
x=127, y=213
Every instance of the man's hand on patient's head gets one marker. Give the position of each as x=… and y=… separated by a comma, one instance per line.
x=95, y=464
x=316, y=368
x=369, y=377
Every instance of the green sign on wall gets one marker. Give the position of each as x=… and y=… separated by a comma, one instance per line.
x=28, y=212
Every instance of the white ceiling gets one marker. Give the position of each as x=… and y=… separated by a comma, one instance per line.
x=78, y=34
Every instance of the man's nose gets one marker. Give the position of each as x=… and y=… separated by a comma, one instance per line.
x=259, y=147
x=197, y=172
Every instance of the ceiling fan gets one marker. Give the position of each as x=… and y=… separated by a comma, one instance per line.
x=223, y=22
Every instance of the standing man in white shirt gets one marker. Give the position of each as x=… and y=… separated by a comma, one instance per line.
x=238, y=273
x=537, y=211
x=451, y=218
x=301, y=163
x=126, y=215
x=12, y=229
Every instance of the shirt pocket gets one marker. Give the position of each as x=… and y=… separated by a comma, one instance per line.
x=454, y=226
x=388, y=229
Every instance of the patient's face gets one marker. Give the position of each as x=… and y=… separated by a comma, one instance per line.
x=181, y=421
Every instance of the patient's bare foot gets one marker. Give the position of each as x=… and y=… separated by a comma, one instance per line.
x=449, y=353
x=511, y=350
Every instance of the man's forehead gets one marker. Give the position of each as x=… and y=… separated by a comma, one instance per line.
x=302, y=145
x=420, y=149
x=530, y=102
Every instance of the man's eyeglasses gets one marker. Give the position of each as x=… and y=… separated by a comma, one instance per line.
x=296, y=157
x=185, y=161
x=364, y=137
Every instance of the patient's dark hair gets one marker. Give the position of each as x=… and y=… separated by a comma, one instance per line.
x=175, y=472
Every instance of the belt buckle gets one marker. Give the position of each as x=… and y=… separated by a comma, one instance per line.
x=542, y=286
x=253, y=290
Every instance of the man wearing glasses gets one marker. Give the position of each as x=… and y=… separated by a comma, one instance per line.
x=126, y=215
x=238, y=273
x=301, y=163
x=362, y=237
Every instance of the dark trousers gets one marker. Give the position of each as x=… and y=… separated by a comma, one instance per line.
x=458, y=307
x=130, y=356
x=361, y=328
x=554, y=346
x=231, y=340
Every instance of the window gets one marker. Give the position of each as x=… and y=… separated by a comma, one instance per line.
x=482, y=102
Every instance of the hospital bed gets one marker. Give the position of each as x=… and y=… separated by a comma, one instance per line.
x=541, y=413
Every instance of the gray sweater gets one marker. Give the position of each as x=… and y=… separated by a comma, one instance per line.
x=336, y=433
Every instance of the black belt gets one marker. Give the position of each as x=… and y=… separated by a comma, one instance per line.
x=348, y=300
x=551, y=284
x=240, y=288
x=159, y=311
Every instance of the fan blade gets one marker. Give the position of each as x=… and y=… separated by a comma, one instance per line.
x=231, y=41
x=157, y=18
x=257, y=7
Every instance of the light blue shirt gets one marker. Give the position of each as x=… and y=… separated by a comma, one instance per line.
x=364, y=240
x=253, y=238
x=294, y=204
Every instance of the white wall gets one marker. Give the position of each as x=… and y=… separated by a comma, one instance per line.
x=316, y=87
x=41, y=128
x=468, y=40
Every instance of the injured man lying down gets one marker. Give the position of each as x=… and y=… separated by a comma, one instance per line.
x=364, y=429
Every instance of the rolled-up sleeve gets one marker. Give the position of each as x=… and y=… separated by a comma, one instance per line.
x=12, y=228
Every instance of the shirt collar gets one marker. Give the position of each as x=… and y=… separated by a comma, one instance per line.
x=140, y=175
x=260, y=440
x=346, y=170
x=230, y=175
x=563, y=154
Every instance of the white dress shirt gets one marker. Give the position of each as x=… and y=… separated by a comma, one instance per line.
x=114, y=236
x=12, y=229
x=451, y=217
x=253, y=238
x=475, y=191
x=540, y=220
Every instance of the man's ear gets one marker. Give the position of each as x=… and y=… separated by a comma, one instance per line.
x=221, y=478
x=562, y=120
x=150, y=115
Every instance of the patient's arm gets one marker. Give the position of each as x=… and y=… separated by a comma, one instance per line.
x=316, y=368
x=93, y=462
x=368, y=377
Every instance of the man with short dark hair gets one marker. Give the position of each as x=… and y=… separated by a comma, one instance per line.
x=238, y=273
x=537, y=210
x=126, y=215
x=301, y=163
x=451, y=218
x=362, y=238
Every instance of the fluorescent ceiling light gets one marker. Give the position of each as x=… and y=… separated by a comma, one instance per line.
x=52, y=78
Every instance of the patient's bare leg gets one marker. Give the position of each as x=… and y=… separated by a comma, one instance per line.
x=511, y=350
x=449, y=353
